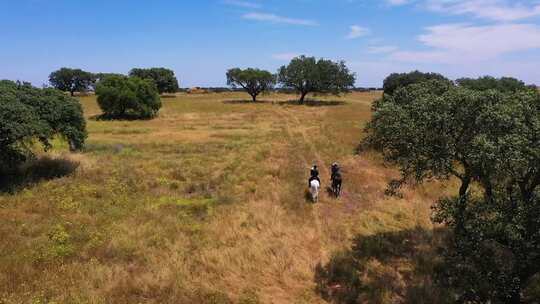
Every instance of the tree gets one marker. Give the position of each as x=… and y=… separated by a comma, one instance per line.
x=28, y=114
x=164, y=79
x=504, y=84
x=253, y=81
x=71, y=80
x=398, y=80
x=128, y=97
x=100, y=76
x=489, y=141
x=307, y=75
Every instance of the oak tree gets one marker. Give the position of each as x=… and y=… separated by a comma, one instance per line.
x=253, y=81
x=490, y=141
x=128, y=97
x=164, y=79
x=71, y=80
x=309, y=75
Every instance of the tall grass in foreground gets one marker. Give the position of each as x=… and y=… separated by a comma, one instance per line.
x=205, y=204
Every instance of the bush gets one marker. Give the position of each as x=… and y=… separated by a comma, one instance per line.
x=123, y=97
x=29, y=115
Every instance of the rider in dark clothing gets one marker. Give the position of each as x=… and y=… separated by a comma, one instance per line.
x=314, y=171
x=336, y=179
x=314, y=175
x=335, y=171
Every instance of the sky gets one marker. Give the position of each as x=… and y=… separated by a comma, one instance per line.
x=201, y=39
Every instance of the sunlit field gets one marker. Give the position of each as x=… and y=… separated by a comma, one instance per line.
x=207, y=204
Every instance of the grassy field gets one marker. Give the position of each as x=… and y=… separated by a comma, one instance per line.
x=206, y=204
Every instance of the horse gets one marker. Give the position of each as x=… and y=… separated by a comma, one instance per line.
x=337, y=180
x=314, y=190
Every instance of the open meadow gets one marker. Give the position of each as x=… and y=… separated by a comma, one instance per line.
x=207, y=204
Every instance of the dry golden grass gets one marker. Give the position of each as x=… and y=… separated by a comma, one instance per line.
x=205, y=204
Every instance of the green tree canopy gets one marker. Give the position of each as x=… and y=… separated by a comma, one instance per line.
x=309, y=75
x=398, y=80
x=164, y=79
x=253, y=81
x=71, y=80
x=128, y=97
x=486, y=139
x=504, y=84
x=29, y=114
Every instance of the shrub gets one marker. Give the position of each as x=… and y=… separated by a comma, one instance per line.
x=123, y=97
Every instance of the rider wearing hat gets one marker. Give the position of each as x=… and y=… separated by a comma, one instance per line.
x=335, y=170
x=314, y=175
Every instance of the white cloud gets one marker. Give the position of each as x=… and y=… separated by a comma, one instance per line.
x=382, y=49
x=357, y=32
x=278, y=19
x=458, y=43
x=285, y=56
x=498, y=10
x=241, y=3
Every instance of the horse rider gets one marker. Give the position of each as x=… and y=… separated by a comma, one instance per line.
x=335, y=171
x=314, y=175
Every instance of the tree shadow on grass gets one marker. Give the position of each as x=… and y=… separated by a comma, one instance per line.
x=35, y=171
x=313, y=103
x=390, y=267
x=246, y=101
x=125, y=117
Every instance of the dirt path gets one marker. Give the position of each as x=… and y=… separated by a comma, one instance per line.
x=293, y=122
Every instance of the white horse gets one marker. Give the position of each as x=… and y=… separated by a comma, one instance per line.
x=314, y=190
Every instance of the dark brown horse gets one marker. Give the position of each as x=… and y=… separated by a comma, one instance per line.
x=337, y=181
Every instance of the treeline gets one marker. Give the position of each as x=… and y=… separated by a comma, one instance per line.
x=303, y=75
x=132, y=96
x=77, y=80
x=504, y=84
x=273, y=90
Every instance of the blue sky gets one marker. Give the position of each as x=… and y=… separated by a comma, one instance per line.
x=201, y=39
